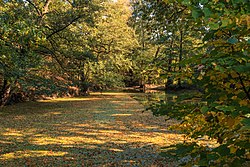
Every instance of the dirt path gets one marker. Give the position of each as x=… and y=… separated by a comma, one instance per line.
x=100, y=130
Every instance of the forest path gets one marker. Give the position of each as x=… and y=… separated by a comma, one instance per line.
x=106, y=129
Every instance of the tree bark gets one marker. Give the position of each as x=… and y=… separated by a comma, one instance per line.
x=83, y=85
x=180, y=54
x=169, y=80
x=5, y=93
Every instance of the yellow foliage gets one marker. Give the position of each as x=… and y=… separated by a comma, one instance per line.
x=248, y=21
x=234, y=74
x=212, y=77
x=233, y=149
x=244, y=102
x=229, y=121
x=223, y=98
x=200, y=77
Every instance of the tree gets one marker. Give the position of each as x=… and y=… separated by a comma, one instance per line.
x=168, y=28
x=49, y=45
x=222, y=71
x=19, y=35
x=112, y=41
x=32, y=38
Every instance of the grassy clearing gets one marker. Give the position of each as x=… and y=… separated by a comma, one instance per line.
x=106, y=129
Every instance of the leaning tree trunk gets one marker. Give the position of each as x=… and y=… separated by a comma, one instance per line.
x=5, y=93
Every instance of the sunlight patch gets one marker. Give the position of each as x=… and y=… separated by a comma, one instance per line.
x=116, y=150
x=52, y=113
x=66, y=140
x=5, y=142
x=12, y=132
x=110, y=131
x=67, y=99
x=121, y=115
x=109, y=93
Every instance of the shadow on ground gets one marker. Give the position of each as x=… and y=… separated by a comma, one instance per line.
x=99, y=130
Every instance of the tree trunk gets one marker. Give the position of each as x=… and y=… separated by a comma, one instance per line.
x=84, y=86
x=180, y=55
x=5, y=93
x=169, y=68
x=84, y=89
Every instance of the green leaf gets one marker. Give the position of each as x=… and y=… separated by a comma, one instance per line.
x=223, y=150
x=243, y=68
x=246, y=122
x=212, y=156
x=203, y=162
x=203, y=1
x=232, y=40
x=185, y=2
x=240, y=152
x=208, y=36
x=225, y=22
x=214, y=26
x=237, y=162
x=207, y=12
x=204, y=109
x=203, y=61
x=195, y=13
x=225, y=108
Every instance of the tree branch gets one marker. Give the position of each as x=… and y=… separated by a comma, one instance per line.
x=51, y=53
x=243, y=86
x=64, y=27
x=46, y=7
x=37, y=10
x=156, y=54
x=171, y=18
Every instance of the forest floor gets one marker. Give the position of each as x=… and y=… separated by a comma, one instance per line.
x=107, y=129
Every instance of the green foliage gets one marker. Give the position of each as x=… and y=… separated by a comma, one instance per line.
x=19, y=38
x=222, y=113
x=168, y=29
x=105, y=77
x=112, y=41
x=47, y=46
x=44, y=40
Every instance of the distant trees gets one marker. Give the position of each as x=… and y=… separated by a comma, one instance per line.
x=113, y=43
x=167, y=35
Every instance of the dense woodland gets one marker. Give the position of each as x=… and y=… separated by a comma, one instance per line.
x=55, y=48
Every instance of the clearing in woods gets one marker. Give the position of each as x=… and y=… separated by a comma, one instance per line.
x=106, y=129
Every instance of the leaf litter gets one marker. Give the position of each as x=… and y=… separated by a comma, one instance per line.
x=107, y=129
